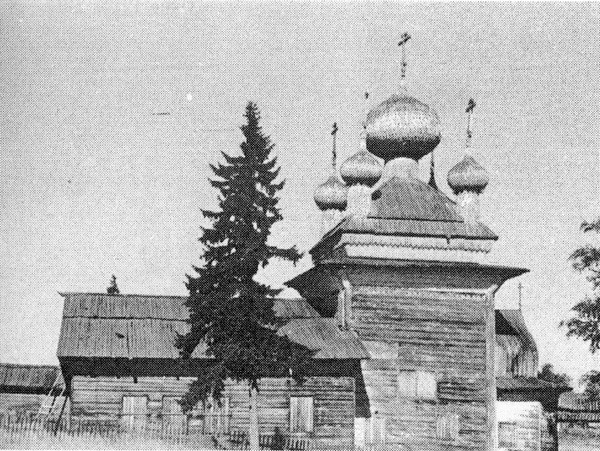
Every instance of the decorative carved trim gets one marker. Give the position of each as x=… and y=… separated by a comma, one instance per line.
x=483, y=246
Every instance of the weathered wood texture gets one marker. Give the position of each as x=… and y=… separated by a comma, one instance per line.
x=442, y=334
x=19, y=404
x=334, y=403
x=521, y=425
x=460, y=276
x=35, y=379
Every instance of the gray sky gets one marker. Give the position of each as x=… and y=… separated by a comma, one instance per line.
x=92, y=183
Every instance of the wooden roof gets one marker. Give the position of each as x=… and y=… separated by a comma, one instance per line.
x=409, y=207
x=578, y=402
x=577, y=407
x=411, y=198
x=508, y=383
x=516, y=322
x=136, y=326
x=136, y=306
x=29, y=378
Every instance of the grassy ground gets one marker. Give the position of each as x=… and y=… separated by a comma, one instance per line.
x=44, y=440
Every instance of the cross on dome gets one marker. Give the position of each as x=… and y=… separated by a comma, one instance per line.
x=403, y=40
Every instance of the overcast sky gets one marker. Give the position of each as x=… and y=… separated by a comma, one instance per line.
x=93, y=182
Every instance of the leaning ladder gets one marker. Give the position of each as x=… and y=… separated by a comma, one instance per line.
x=49, y=402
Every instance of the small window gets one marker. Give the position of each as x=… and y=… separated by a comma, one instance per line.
x=507, y=435
x=135, y=411
x=301, y=414
x=417, y=385
x=172, y=414
x=447, y=427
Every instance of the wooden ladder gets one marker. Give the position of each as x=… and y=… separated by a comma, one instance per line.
x=49, y=402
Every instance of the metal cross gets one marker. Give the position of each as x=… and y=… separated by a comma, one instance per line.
x=366, y=110
x=520, y=287
x=403, y=40
x=469, y=111
x=334, y=154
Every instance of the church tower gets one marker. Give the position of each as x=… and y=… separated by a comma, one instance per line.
x=409, y=276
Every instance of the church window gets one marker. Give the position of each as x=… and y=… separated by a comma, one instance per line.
x=417, y=385
x=301, y=413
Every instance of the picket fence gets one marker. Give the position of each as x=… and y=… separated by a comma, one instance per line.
x=31, y=432
x=77, y=433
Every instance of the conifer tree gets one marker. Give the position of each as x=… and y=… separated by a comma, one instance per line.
x=113, y=288
x=230, y=311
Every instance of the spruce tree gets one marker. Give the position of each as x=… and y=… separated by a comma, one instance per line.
x=230, y=311
x=113, y=288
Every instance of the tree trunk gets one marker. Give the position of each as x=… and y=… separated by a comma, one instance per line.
x=254, y=443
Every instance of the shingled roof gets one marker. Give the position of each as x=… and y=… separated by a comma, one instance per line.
x=410, y=207
x=139, y=326
x=16, y=378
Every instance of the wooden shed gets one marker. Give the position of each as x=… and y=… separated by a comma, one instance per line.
x=25, y=388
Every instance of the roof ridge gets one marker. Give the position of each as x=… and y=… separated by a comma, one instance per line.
x=30, y=365
x=172, y=296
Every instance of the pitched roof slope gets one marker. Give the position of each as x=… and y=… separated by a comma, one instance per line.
x=411, y=198
x=409, y=207
x=516, y=321
x=138, y=326
x=29, y=378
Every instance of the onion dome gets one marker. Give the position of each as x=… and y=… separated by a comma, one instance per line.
x=402, y=126
x=468, y=175
x=332, y=194
x=362, y=168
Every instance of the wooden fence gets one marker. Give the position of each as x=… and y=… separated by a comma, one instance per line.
x=29, y=432
x=83, y=433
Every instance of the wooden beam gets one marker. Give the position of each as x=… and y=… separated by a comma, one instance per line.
x=490, y=370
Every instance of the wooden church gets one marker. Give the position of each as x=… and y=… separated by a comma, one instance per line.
x=399, y=305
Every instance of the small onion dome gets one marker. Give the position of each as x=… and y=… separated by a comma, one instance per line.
x=332, y=194
x=361, y=169
x=468, y=175
x=402, y=126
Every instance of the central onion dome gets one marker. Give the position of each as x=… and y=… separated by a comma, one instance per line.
x=361, y=168
x=468, y=175
x=402, y=126
x=331, y=195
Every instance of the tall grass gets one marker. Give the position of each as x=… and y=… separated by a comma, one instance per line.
x=31, y=433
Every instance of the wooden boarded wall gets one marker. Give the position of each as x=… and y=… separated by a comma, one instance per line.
x=520, y=426
x=430, y=338
x=333, y=397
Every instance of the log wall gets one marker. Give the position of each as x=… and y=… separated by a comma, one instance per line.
x=440, y=334
x=334, y=403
